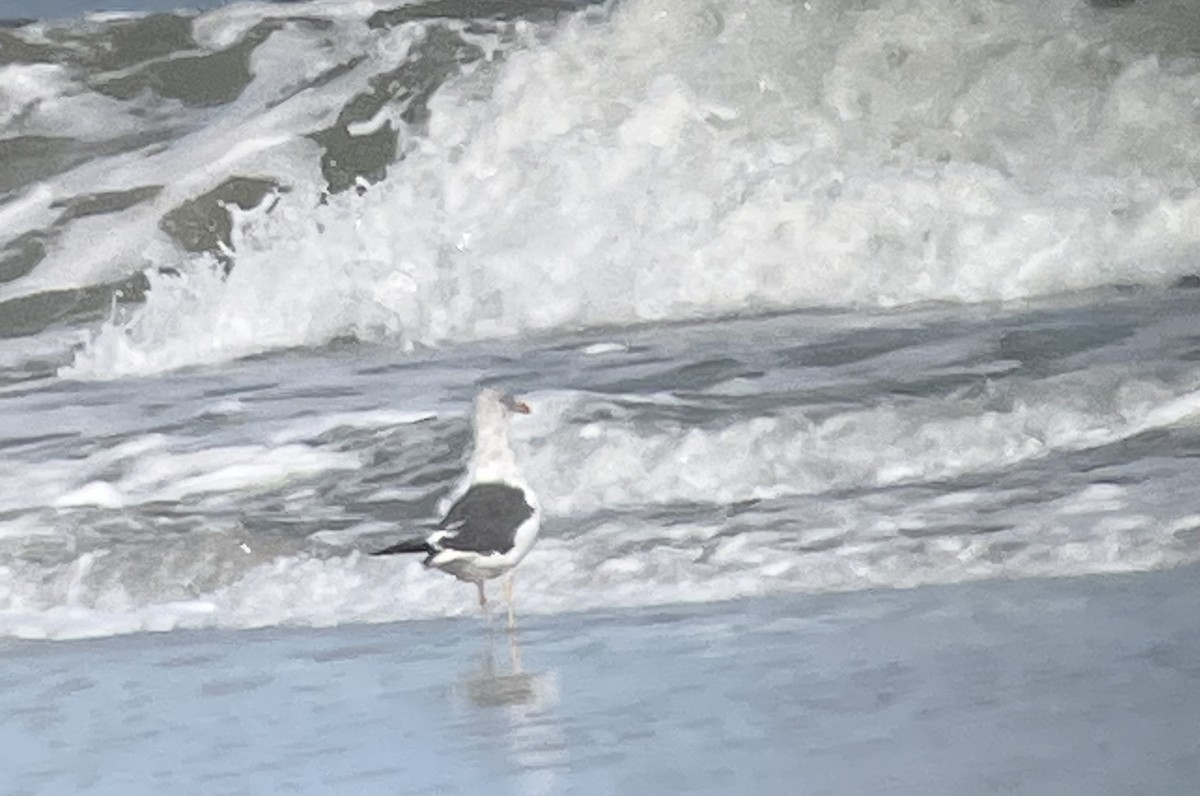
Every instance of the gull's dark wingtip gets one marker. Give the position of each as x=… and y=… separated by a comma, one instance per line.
x=407, y=546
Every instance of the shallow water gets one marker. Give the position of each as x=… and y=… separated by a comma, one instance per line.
x=1044, y=685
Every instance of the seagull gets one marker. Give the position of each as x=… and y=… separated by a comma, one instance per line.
x=494, y=521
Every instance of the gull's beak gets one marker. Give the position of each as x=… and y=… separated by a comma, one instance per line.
x=513, y=405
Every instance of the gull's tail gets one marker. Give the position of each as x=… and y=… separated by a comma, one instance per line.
x=407, y=546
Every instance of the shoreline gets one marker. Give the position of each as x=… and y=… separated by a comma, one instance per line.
x=1066, y=684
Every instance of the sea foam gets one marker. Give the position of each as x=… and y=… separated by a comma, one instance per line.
x=672, y=162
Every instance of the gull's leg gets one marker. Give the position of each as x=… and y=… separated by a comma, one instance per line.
x=483, y=599
x=508, y=596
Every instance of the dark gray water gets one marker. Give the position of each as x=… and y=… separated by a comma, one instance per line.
x=29, y=10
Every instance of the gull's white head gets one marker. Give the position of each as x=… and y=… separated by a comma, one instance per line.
x=492, y=459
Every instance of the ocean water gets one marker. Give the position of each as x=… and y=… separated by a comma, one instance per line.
x=810, y=299
x=1024, y=686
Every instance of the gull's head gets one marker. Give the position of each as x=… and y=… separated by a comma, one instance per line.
x=492, y=459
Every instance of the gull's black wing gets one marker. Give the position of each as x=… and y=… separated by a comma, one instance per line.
x=485, y=519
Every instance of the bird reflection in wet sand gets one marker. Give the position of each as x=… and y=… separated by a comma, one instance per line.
x=489, y=687
x=514, y=711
